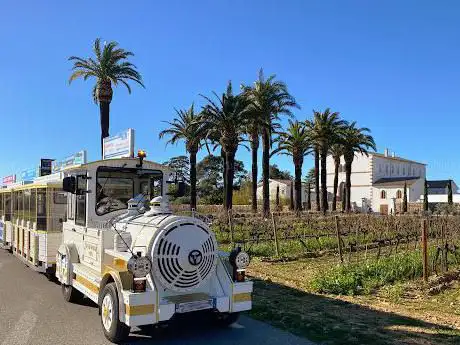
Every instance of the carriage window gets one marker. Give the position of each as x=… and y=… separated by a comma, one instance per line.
x=8, y=207
x=80, y=217
x=41, y=209
x=60, y=198
x=1, y=205
x=33, y=205
x=26, y=213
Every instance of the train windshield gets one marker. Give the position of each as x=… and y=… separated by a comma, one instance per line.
x=115, y=186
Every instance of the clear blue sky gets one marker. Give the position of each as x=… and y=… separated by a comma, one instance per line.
x=392, y=66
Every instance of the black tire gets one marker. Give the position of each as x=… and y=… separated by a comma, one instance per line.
x=227, y=319
x=71, y=294
x=115, y=331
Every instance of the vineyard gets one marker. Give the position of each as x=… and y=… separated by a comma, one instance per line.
x=369, y=250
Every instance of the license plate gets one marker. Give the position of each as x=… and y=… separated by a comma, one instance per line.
x=194, y=306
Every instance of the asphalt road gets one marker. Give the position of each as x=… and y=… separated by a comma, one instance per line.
x=32, y=311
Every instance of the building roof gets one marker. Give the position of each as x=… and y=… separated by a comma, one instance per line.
x=395, y=181
x=438, y=183
x=395, y=158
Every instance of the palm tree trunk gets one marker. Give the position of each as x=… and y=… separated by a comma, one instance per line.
x=104, y=110
x=265, y=170
x=336, y=183
x=317, y=179
x=229, y=174
x=254, y=148
x=348, y=185
x=324, y=201
x=298, y=184
x=224, y=158
x=193, y=180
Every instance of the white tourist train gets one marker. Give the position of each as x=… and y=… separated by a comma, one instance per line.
x=105, y=228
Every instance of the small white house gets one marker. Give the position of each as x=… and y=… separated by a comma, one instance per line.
x=285, y=190
x=377, y=181
x=438, y=191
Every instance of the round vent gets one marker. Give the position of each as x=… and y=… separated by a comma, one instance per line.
x=184, y=256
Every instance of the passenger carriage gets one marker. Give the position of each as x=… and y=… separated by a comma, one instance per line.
x=6, y=223
x=124, y=249
x=38, y=212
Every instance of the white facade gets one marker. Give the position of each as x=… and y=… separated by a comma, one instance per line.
x=377, y=181
x=285, y=190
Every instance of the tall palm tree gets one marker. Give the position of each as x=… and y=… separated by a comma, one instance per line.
x=269, y=98
x=110, y=66
x=355, y=140
x=226, y=119
x=187, y=127
x=325, y=131
x=336, y=151
x=295, y=142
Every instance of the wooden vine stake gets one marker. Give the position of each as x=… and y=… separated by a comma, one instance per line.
x=275, y=237
x=339, y=238
x=425, y=249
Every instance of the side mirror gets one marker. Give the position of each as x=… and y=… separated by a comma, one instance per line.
x=180, y=189
x=69, y=184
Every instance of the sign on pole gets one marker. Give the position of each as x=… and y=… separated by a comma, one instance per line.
x=76, y=159
x=46, y=166
x=119, y=146
x=9, y=179
x=29, y=174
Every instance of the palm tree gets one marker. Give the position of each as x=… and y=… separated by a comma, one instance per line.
x=226, y=120
x=295, y=142
x=110, y=66
x=269, y=98
x=355, y=140
x=187, y=126
x=325, y=131
x=336, y=151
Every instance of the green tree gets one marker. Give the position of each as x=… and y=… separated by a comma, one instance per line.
x=277, y=199
x=276, y=173
x=404, y=210
x=325, y=131
x=181, y=166
x=355, y=140
x=449, y=192
x=187, y=126
x=295, y=142
x=110, y=66
x=226, y=119
x=269, y=99
x=211, y=178
x=336, y=151
x=309, y=181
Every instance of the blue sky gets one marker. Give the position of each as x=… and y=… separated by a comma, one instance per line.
x=392, y=66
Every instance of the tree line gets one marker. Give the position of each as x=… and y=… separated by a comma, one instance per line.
x=229, y=119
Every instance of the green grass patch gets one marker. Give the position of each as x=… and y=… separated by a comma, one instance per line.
x=364, y=277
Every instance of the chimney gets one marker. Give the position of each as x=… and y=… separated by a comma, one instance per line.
x=393, y=154
x=386, y=152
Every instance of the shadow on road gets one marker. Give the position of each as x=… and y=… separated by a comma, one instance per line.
x=331, y=321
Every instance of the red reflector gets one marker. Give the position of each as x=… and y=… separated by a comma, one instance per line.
x=139, y=284
x=240, y=276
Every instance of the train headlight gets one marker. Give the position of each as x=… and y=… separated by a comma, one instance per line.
x=242, y=260
x=139, y=266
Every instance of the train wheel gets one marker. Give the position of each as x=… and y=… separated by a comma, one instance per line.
x=70, y=293
x=226, y=319
x=114, y=330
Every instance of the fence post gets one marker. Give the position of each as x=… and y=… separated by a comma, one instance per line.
x=425, y=249
x=275, y=236
x=230, y=223
x=339, y=239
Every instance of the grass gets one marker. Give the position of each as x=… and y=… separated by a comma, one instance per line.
x=364, y=277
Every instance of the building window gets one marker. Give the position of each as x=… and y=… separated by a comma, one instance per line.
x=383, y=194
x=386, y=169
x=404, y=171
x=392, y=168
x=397, y=170
x=398, y=194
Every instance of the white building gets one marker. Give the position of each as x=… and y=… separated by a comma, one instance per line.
x=285, y=190
x=377, y=181
x=438, y=191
